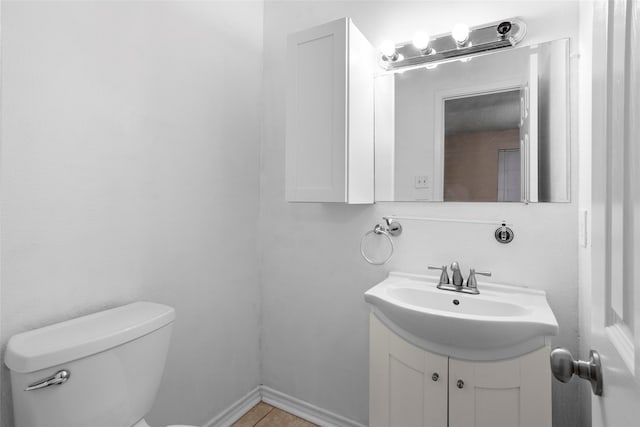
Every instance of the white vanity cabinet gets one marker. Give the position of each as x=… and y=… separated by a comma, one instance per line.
x=411, y=387
x=329, y=120
x=407, y=385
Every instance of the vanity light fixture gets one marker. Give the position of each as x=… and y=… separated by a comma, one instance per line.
x=460, y=34
x=388, y=50
x=421, y=41
x=462, y=41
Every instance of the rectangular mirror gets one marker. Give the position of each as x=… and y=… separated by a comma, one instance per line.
x=486, y=128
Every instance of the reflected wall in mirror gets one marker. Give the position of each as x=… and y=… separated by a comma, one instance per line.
x=489, y=128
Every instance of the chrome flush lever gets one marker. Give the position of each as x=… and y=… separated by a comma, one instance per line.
x=58, y=378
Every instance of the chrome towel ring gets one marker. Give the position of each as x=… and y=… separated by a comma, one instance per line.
x=392, y=228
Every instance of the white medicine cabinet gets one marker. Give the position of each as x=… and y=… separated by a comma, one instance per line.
x=329, y=129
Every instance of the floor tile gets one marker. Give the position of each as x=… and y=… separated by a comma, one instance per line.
x=254, y=415
x=280, y=418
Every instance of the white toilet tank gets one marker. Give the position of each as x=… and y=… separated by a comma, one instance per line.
x=114, y=359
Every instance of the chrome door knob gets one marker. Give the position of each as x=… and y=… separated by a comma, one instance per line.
x=435, y=376
x=460, y=384
x=564, y=366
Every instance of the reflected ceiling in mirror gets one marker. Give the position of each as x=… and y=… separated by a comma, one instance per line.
x=489, y=128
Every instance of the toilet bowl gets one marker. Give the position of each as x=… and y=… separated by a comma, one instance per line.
x=100, y=370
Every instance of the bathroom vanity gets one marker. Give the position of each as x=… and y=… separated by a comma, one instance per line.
x=443, y=358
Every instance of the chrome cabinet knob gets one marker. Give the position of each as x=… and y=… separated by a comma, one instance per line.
x=460, y=384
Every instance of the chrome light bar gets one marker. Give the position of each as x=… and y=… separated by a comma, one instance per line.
x=480, y=38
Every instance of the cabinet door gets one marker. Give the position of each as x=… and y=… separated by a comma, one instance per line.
x=509, y=393
x=408, y=386
x=329, y=129
x=316, y=114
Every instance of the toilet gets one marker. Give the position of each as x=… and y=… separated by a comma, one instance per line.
x=100, y=370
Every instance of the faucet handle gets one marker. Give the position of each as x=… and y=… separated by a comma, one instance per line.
x=444, y=277
x=471, y=281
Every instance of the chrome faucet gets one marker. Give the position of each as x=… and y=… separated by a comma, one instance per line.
x=457, y=278
x=457, y=283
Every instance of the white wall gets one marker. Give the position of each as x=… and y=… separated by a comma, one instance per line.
x=130, y=159
x=314, y=340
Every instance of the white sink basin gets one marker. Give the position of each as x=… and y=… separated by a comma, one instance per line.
x=501, y=322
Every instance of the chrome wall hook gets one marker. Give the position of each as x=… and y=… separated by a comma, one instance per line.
x=394, y=228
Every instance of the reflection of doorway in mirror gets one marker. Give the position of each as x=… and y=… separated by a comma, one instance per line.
x=482, y=147
x=509, y=175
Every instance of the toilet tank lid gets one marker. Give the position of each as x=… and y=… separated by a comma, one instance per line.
x=83, y=336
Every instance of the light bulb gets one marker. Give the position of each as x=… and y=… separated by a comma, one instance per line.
x=460, y=34
x=421, y=40
x=388, y=49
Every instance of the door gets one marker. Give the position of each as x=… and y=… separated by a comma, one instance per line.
x=615, y=173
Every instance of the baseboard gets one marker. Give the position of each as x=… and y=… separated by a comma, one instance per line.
x=305, y=410
x=236, y=410
x=293, y=405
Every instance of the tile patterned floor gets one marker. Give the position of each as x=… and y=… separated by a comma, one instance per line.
x=264, y=415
